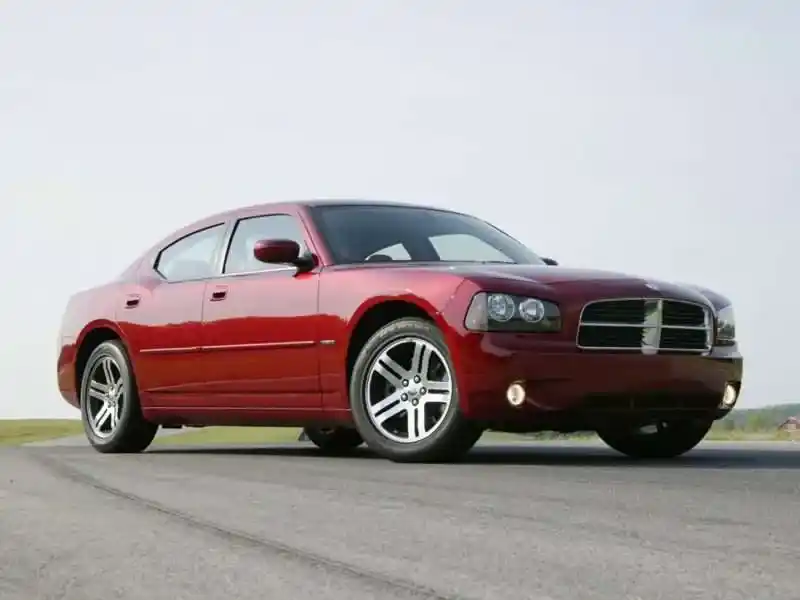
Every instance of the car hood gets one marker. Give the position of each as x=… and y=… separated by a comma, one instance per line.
x=542, y=274
x=577, y=283
x=555, y=282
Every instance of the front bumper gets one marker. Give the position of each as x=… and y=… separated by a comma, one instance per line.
x=563, y=383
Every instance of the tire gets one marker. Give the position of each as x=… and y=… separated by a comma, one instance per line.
x=450, y=438
x=671, y=439
x=334, y=440
x=131, y=433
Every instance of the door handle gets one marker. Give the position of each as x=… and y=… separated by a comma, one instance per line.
x=132, y=301
x=219, y=294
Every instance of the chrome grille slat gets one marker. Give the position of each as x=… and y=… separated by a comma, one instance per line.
x=643, y=325
x=646, y=325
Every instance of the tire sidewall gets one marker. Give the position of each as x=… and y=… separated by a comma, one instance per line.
x=112, y=350
x=394, y=331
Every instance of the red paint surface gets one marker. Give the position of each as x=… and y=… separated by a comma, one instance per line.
x=273, y=350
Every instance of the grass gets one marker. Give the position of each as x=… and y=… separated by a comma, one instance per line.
x=14, y=432
x=284, y=435
x=741, y=435
x=276, y=435
x=231, y=435
x=22, y=431
x=268, y=435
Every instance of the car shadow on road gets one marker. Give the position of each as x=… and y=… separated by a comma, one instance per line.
x=536, y=455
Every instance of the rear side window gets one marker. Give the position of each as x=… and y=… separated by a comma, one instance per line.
x=191, y=257
x=248, y=231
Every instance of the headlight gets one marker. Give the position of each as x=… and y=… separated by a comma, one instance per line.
x=507, y=312
x=726, y=327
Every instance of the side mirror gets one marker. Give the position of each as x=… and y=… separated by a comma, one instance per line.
x=550, y=261
x=276, y=251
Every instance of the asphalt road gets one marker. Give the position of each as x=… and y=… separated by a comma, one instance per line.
x=561, y=521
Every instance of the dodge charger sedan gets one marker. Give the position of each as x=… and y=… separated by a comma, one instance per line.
x=407, y=328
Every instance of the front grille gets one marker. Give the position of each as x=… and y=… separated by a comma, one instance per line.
x=683, y=314
x=595, y=336
x=683, y=338
x=619, y=311
x=646, y=325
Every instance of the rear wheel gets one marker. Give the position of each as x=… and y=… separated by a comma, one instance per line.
x=110, y=410
x=404, y=395
x=663, y=439
x=334, y=439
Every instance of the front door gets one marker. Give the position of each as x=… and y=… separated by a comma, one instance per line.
x=259, y=333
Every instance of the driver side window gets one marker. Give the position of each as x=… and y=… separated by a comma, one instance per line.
x=248, y=231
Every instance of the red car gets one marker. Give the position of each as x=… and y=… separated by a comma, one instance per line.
x=408, y=328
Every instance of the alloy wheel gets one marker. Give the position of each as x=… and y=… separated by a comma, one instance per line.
x=105, y=397
x=408, y=390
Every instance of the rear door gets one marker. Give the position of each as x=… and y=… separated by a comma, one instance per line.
x=162, y=315
x=260, y=323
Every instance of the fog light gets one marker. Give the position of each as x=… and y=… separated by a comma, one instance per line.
x=515, y=394
x=729, y=396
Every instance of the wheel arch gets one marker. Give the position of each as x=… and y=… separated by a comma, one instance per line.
x=374, y=315
x=91, y=337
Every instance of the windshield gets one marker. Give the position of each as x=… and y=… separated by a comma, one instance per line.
x=361, y=233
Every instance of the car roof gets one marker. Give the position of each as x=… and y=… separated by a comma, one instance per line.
x=315, y=202
x=243, y=211
x=310, y=203
x=358, y=201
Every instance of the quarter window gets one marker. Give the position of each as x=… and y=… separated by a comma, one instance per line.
x=248, y=231
x=191, y=257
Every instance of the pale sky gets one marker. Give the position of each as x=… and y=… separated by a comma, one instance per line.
x=655, y=138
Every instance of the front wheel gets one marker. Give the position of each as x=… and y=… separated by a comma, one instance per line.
x=660, y=440
x=404, y=395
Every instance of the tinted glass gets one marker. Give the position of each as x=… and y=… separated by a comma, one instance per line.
x=248, y=231
x=191, y=257
x=358, y=233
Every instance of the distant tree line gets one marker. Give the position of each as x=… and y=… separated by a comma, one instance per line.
x=758, y=419
x=749, y=420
